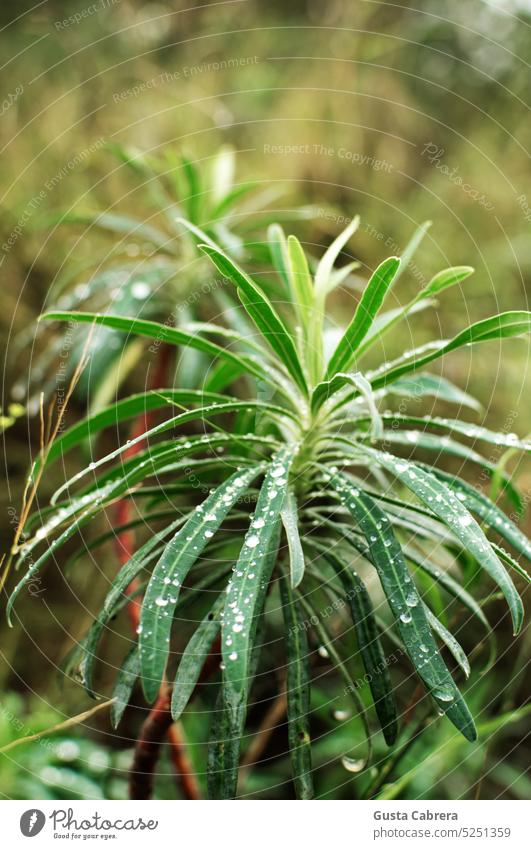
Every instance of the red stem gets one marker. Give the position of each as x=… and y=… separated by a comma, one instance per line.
x=159, y=723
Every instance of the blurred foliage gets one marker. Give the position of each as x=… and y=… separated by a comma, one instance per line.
x=58, y=766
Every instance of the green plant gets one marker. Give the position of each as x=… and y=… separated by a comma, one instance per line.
x=147, y=265
x=291, y=487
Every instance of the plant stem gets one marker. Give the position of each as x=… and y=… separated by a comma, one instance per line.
x=159, y=723
x=147, y=749
x=62, y=726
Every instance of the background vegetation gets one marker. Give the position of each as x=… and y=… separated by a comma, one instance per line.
x=395, y=113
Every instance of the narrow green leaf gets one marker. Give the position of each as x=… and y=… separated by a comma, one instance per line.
x=298, y=693
x=411, y=247
x=194, y=656
x=386, y=320
x=174, y=454
x=300, y=280
x=231, y=712
x=290, y=520
x=468, y=429
x=278, y=246
x=224, y=750
x=123, y=410
x=221, y=376
x=117, y=598
x=444, y=279
x=452, y=587
x=372, y=653
x=449, y=640
x=252, y=573
x=309, y=308
x=262, y=313
x=338, y=276
x=98, y=499
x=327, y=388
x=488, y=512
x=123, y=686
x=161, y=333
x=202, y=413
x=178, y=558
x=226, y=206
x=443, y=445
x=405, y=603
x=425, y=384
x=370, y=303
x=194, y=198
x=326, y=263
x=328, y=644
x=440, y=499
x=437, y=284
x=502, y=326
x=507, y=558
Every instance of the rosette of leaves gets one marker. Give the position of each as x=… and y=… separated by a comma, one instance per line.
x=149, y=265
x=301, y=482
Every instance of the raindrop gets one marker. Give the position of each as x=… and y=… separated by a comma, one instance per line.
x=443, y=694
x=140, y=290
x=353, y=764
x=341, y=715
x=464, y=521
x=405, y=617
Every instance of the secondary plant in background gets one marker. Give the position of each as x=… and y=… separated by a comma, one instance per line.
x=287, y=493
x=148, y=266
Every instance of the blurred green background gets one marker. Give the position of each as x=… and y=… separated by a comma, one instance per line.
x=395, y=113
